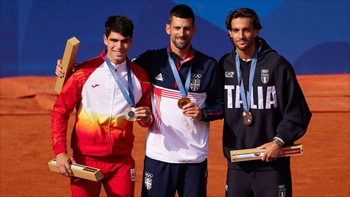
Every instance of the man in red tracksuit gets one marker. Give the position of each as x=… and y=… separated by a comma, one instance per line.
x=109, y=93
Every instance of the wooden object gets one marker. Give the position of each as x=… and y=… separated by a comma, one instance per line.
x=68, y=60
x=256, y=154
x=80, y=171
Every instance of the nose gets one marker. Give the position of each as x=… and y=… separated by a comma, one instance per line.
x=240, y=34
x=118, y=45
x=181, y=32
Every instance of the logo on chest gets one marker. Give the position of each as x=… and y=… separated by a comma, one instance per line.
x=229, y=74
x=195, y=82
x=265, y=75
x=159, y=77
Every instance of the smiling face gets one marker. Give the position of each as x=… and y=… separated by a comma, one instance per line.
x=243, y=34
x=181, y=31
x=118, y=47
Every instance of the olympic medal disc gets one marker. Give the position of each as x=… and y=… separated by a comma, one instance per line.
x=130, y=114
x=247, y=117
x=182, y=102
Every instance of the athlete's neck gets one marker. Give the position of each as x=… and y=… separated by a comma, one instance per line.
x=248, y=53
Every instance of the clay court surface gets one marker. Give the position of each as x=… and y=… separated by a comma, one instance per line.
x=25, y=141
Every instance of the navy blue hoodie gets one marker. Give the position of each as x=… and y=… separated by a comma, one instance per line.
x=279, y=107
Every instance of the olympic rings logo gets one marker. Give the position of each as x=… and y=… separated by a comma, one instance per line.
x=196, y=76
x=148, y=175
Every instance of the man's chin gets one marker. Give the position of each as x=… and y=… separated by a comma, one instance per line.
x=181, y=46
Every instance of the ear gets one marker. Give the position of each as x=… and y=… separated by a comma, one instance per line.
x=230, y=33
x=105, y=39
x=256, y=33
x=194, y=30
x=167, y=28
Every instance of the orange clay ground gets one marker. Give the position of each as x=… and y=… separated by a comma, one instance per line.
x=25, y=141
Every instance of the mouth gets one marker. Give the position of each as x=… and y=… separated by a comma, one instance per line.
x=181, y=39
x=118, y=53
x=241, y=42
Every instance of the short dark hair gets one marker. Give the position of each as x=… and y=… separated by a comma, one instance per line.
x=119, y=24
x=182, y=11
x=244, y=13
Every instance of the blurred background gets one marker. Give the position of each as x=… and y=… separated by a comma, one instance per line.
x=312, y=35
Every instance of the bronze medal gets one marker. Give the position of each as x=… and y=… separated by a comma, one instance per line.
x=182, y=102
x=130, y=114
x=247, y=117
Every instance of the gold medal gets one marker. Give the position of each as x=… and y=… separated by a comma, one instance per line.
x=182, y=102
x=247, y=117
x=129, y=114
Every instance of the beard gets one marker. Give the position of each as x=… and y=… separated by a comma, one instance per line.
x=245, y=47
x=182, y=45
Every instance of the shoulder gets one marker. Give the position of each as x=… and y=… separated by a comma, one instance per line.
x=84, y=69
x=203, y=57
x=224, y=57
x=150, y=58
x=139, y=72
x=149, y=54
x=90, y=64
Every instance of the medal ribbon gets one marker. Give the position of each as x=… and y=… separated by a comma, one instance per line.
x=128, y=97
x=183, y=90
x=246, y=101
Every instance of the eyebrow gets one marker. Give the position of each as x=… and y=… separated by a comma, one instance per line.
x=116, y=40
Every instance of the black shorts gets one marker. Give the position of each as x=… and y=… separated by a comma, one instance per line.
x=269, y=183
x=164, y=179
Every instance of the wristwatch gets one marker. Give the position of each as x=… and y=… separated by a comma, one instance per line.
x=278, y=141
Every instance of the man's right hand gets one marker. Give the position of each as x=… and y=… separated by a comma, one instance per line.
x=59, y=72
x=63, y=161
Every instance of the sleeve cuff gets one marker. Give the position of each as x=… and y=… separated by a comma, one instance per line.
x=60, y=149
x=279, y=139
x=204, y=115
x=144, y=124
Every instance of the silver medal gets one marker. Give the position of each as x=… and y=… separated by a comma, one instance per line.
x=130, y=114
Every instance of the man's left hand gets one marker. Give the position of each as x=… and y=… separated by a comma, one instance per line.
x=271, y=151
x=143, y=113
x=192, y=110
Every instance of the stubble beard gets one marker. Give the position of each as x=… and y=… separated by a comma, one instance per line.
x=248, y=45
x=181, y=46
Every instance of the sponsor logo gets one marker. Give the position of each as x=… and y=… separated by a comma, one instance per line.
x=89, y=169
x=195, y=82
x=135, y=58
x=257, y=154
x=148, y=180
x=291, y=151
x=265, y=75
x=94, y=86
x=229, y=74
x=159, y=77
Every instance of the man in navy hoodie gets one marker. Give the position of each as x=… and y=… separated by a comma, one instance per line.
x=264, y=108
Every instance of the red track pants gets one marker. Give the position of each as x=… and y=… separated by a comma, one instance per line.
x=119, y=177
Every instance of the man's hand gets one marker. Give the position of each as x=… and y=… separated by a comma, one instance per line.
x=59, y=72
x=144, y=114
x=63, y=161
x=271, y=151
x=192, y=110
